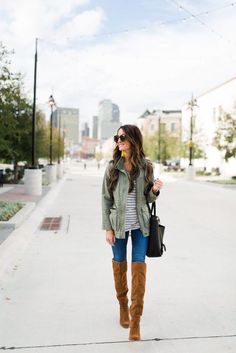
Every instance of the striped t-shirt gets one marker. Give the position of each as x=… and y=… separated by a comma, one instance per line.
x=131, y=217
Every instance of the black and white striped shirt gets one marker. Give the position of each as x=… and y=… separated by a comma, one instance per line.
x=131, y=217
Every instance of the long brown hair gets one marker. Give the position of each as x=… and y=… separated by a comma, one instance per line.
x=137, y=156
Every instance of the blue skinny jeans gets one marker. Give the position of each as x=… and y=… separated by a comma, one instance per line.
x=139, y=247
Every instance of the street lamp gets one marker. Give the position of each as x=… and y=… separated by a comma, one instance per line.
x=52, y=104
x=191, y=105
x=33, y=175
x=159, y=140
x=33, y=150
x=59, y=137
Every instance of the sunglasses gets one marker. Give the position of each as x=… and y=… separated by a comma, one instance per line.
x=122, y=137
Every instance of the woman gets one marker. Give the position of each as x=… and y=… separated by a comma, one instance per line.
x=128, y=178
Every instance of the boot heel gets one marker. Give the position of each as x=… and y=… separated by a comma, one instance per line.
x=134, y=333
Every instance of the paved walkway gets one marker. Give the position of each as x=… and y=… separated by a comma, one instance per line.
x=17, y=193
x=58, y=296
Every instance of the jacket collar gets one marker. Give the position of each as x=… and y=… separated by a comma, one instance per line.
x=120, y=164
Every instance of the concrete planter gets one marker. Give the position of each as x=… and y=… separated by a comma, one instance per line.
x=190, y=172
x=59, y=171
x=51, y=172
x=33, y=181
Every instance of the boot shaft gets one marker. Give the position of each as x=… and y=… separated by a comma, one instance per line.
x=120, y=279
x=138, y=288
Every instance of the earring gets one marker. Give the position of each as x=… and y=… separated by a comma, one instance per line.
x=123, y=154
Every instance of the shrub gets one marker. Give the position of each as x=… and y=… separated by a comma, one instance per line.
x=9, y=209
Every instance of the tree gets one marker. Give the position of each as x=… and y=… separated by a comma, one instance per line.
x=43, y=139
x=15, y=121
x=198, y=152
x=168, y=144
x=225, y=136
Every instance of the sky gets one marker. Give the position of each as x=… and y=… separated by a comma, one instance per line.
x=140, y=54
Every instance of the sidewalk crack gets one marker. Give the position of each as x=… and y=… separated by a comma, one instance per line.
x=117, y=342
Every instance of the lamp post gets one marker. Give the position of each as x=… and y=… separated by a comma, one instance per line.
x=159, y=140
x=191, y=171
x=33, y=158
x=51, y=103
x=59, y=138
x=33, y=175
x=191, y=105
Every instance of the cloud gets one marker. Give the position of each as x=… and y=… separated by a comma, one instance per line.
x=28, y=19
x=87, y=23
x=159, y=67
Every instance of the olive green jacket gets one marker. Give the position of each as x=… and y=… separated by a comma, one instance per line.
x=114, y=206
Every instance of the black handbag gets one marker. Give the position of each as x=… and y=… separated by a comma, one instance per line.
x=156, y=234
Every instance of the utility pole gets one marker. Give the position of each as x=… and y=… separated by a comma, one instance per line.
x=33, y=159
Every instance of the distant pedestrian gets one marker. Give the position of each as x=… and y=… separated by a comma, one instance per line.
x=124, y=211
x=85, y=165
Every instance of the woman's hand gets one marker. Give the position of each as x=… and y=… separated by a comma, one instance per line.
x=110, y=237
x=157, y=185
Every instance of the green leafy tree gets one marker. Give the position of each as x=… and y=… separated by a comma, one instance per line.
x=198, y=143
x=43, y=141
x=162, y=146
x=198, y=151
x=225, y=136
x=15, y=125
x=16, y=120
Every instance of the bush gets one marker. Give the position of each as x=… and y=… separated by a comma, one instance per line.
x=9, y=209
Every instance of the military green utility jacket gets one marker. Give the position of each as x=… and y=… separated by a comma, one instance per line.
x=114, y=206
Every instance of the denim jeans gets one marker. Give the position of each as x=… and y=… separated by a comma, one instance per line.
x=139, y=247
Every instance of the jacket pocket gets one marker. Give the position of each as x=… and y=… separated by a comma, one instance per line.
x=113, y=218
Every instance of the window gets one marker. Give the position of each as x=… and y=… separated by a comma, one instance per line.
x=173, y=127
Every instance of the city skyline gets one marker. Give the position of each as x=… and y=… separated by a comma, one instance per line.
x=141, y=55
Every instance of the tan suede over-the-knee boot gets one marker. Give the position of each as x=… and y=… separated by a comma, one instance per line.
x=120, y=278
x=137, y=296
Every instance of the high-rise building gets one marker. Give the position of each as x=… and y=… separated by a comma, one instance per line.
x=85, y=130
x=95, y=127
x=115, y=113
x=68, y=119
x=108, y=119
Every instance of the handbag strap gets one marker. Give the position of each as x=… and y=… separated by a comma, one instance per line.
x=152, y=208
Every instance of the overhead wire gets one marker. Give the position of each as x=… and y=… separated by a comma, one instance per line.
x=196, y=17
x=190, y=15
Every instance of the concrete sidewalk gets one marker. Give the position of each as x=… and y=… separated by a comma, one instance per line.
x=58, y=294
x=16, y=192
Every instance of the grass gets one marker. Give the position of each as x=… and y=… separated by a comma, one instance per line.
x=224, y=181
x=8, y=209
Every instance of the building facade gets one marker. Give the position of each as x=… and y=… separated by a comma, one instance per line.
x=211, y=106
x=68, y=120
x=85, y=130
x=108, y=119
x=169, y=120
x=95, y=127
x=88, y=147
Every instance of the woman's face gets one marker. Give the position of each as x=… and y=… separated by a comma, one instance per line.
x=123, y=145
